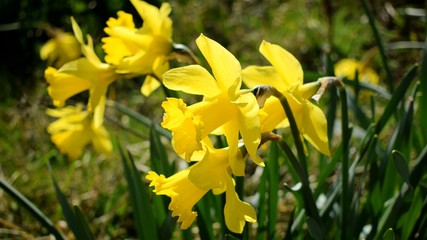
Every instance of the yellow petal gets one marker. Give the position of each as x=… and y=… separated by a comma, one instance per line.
x=183, y=193
x=249, y=125
x=98, y=113
x=192, y=79
x=236, y=161
x=101, y=140
x=150, y=85
x=142, y=62
x=215, y=162
x=236, y=212
x=63, y=86
x=74, y=130
x=71, y=142
x=346, y=68
x=87, y=49
x=123, y=20
x=71, y=132
x=315, y=128
x=155, y=20
x=272, y=115
x=255, y=76
x=48, y=49
x=186, y=128
x=284, y=62
x=116, y=49
x=225, y=67
x=212, y=113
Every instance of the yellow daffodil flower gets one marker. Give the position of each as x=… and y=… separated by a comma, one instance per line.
x=347, y=68
x=140, y=51
x=87, y=73
x=183, y=193
x=286, y=76
x=186, y=128
x=187, y=187
x=224, y=106
x=76, y=128
x=62, y=48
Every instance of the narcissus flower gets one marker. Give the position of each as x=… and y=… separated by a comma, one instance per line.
x=140, y=51
x=83, y=74
x=286, y=76
x=225, y=108
x=347, y=68
x=62, y=48
x=188, y=186
x=76, y=128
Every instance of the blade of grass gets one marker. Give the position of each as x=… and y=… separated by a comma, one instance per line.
x=35, y=211
x=139, y=117
x=379, y=42
x=423, y=89
x=158, y=156
x=145, y=222
x=396, y=98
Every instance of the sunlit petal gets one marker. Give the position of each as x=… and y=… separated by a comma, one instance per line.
x=249, y=125
x=186, y=128
x=284, y=62
x=236, y=160
x=315, y=128
x=225, y=67
x=215, y=162
x=236, y=212
x=183, y=193
x=62, y=86
x=150, y=85
x=192, y=79
x=256, y=75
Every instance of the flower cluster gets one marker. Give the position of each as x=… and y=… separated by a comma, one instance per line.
x=227, y=109
x=130, y=52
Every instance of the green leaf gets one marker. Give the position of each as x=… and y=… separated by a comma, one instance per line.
x=401, y=165
x=314, y=229
x=145, y=221
x=158, y=154
x=74, y=220
x=380, y=44
x=396, y=98
x=410, y=218
x=423, y=89
x=262, y=205
x=389, y=234
x=140, y=118
x=35, y=211
x=273, y=189
x=204, y=218
x=82, y=222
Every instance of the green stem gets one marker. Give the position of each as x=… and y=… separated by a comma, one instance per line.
x=300, y=166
